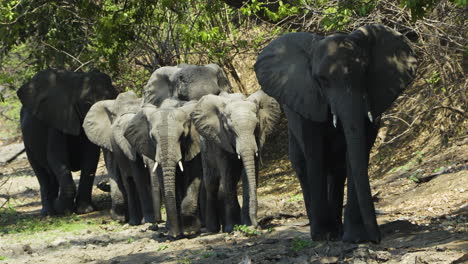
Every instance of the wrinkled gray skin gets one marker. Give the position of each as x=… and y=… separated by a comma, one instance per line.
x=333, y=90
x=233, y=130
x=185, y=82
x=167, y=135
x=55, y=103
x=104, y=125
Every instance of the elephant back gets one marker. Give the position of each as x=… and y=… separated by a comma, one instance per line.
x=62, y=98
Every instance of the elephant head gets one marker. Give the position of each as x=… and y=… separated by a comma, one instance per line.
x=185, y=82
x=106, y=121
x=62, y=98
x=354, y=76
x=239, y=126
x=166, y=135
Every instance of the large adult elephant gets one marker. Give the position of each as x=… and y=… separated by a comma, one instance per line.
x=185, y=82
x=105, y=125
x=55, y=103
x=167, y=136
x=334, y=90
x=233, y=129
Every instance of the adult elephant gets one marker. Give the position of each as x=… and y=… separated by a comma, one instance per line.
x=105, y=125
x=233, y=129
x=167, y=136
x=333, y=90
x=185, y=82
x=55, y=103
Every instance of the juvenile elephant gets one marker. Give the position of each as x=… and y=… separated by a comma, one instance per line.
x=333, y=90
x=105, y=125
x=167, y=136
x=233, y=131
x=185, y=82
x=55, y=103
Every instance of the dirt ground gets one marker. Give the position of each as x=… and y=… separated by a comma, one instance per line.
x=422, y=219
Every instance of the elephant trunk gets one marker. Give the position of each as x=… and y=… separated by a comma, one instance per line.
x=169, y=179
x=352, y=116
x=250, y=180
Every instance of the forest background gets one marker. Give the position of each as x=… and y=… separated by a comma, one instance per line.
x=130, y=39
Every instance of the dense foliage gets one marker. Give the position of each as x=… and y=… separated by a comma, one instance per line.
x=129, y=39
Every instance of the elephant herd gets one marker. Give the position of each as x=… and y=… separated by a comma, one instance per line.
x=189, y=140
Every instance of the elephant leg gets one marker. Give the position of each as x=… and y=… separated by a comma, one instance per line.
x=89, y=160
x=134, y=210
x=189, y=208
x=156, y=188
x=143, y=186
x=202, y=203
x=228, y=195
x=117, y=191
x=306, y=154
x=335, y=163
x=211, y=183
x=48, y=186
x=57, y=159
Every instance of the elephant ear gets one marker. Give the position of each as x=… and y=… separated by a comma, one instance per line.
x=392, y=65
x=118, y=130
x=207, y=120
x=223, y=81
x=97, y=124
x=51, y=96
x=137, y=132
x=159, y=86
x=192, y=143
x=284, y=71
x=268, y=113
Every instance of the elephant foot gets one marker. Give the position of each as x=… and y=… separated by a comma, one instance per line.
x=149, y=219
x=84, y=207
x=320, y=235
x=64, y=206
x=47, y=211
x=117, y=217
x=191, y=224
x=360, y=235
x=158, y=218
x=172, y=237
x=134, y=221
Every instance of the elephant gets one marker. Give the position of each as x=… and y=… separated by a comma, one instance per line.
x=105, y=125
x=333, y=90
x=54, y=104
x=166, y=135
x=185, y=82
x=233, y=130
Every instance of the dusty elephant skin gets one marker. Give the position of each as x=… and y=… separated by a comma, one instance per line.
x=185, y=82
x=105, y=125
x=333, y=90
x=233, y=129
x=55, y=103
x=167, y=136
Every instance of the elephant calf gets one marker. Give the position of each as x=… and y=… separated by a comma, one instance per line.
x=104, y=125
x=167, y=136
x=233, y=130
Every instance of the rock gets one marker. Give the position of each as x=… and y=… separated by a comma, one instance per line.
x=246, y=260
x=10, y=152
x=58, y=242
x=27, y=248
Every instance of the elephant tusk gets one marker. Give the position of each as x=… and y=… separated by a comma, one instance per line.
x=155, y=166
x=256, y=154
x=238, y=156
x=369, y=115
x=180, y=166
x=334, y=120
